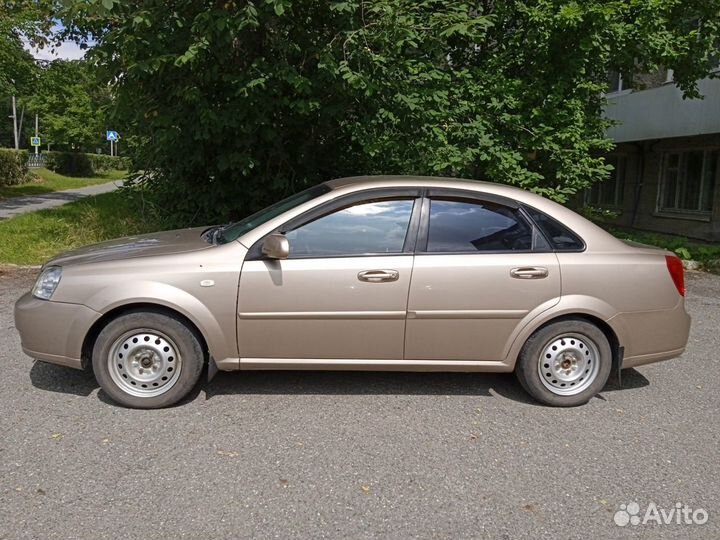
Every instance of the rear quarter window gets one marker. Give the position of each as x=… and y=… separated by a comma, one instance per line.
x=560, y=237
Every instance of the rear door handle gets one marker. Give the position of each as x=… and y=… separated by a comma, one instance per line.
x=529, y=272
x=378, y=276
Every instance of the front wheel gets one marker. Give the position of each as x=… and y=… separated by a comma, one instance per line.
x=565, y=363
x=147, y=360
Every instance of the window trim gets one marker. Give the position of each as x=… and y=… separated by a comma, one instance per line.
x=660, y=209
x=345, y=201
x=416, y=238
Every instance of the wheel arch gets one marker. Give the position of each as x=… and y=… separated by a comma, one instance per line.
x=135, y=307
x=601, y=317
x=602, y=325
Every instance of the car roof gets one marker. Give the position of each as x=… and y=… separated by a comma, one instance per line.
x=353, y=183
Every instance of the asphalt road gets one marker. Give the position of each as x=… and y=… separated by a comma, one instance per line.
x=14, y=206
x=359, y=455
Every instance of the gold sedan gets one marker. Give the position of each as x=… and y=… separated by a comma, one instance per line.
x=371, y=273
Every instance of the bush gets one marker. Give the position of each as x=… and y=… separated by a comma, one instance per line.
x=686, y=249
x=77, y=164
x=102, y=163
x=13, y=166
x=69, y=163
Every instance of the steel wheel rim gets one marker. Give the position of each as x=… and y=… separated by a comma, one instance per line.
x=144, y=363
x=569, y=364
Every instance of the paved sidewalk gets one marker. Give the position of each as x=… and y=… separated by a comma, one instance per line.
x=15, y=206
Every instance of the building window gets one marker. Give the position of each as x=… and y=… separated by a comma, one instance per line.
x=609, y=193
x=618, y=82
x=688, y=181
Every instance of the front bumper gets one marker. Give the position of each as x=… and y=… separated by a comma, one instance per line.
x=53, y=331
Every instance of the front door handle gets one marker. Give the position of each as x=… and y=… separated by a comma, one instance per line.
x=378, y=276
x=529, y=272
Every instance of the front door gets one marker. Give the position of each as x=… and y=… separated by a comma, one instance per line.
x=481, y=268
x=341, y=294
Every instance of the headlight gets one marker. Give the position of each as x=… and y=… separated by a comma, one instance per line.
x=47, y=282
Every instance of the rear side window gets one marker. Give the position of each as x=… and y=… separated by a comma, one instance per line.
x=561, y=238
x=467, y=226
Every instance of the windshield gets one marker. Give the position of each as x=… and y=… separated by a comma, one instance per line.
x=236, y=230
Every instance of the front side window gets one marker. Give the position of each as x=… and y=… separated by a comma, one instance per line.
x=237, y=229
x=467, y=226
x=376, y=227
x=688, y=180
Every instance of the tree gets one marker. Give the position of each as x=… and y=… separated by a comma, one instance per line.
x=240, y=102
x=24, y=19
x=71, y=104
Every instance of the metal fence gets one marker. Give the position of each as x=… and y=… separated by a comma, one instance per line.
x=36, y=160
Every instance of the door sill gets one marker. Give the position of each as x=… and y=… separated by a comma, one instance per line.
x=351, y=364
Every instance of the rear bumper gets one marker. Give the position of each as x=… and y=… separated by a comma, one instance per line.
x=652, y=336
x=53, y=331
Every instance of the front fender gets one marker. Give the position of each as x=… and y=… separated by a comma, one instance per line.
x=219, y=337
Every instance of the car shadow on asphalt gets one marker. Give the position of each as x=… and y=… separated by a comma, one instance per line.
x=61, y=379
x=503, y=385
x=53, y=378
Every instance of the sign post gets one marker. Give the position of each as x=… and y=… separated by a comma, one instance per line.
x=113, y=137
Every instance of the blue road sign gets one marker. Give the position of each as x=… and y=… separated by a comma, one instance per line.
x=35, y=141
x=112, y=135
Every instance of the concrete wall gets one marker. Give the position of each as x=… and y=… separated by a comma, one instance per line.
x=661, y=112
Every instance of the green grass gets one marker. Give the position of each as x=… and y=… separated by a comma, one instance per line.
x=35, y=237
x=49, y=181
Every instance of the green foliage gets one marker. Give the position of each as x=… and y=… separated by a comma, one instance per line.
x=102, y=163
x=69, y=163
x=79, y=164
x=685, y=248
x=42, y=181
x=34, y=237
x=71, y=104
x=13, y=167
x=595, y=213
x=20, y=21
x=235, y=104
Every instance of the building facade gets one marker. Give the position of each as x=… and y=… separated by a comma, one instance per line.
x=666, y=158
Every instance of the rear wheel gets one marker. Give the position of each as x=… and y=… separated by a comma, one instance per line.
x=147, y=360
x=565, y=363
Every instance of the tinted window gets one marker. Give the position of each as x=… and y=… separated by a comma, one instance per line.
x=476, y=226
x=371, y=227
x=562, y=238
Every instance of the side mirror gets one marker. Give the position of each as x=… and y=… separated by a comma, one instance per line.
x=276, y=246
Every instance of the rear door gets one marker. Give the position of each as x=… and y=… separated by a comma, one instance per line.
x=481, y=267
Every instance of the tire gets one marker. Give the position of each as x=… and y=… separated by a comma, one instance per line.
x=147, y=359
x=565, y=363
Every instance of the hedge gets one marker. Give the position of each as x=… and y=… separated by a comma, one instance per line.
x=78, y=164
x=13, y=166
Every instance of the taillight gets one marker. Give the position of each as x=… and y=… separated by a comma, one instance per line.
x=675, y=267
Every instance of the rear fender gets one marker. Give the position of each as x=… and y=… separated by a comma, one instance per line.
x=567, y=306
